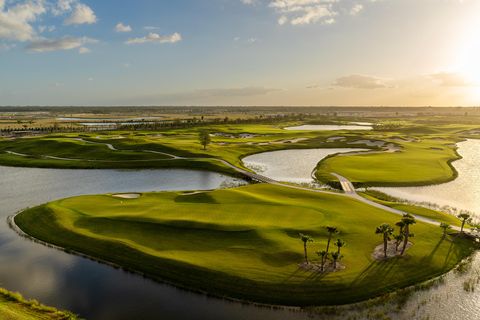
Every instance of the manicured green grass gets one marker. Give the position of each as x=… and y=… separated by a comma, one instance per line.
x=425, y=156
x=418, y=163
x=243, y=242
x=14, y=307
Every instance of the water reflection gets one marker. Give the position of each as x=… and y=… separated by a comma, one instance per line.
x=295, y=165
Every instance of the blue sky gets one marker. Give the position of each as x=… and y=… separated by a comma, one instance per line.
x=239, y=52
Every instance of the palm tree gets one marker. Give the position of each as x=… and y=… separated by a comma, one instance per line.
x=386, y=230
x=305, y=238
x=408, y=220
x=465, y=217
x=446, y=227
x=336, y=257
x=339, y=244
x=401, y=225
x=398, y=239
x=331, y=231
x=323, y=256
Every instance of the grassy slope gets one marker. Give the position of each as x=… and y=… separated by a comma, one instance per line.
x=14, y=307
x=243, y=242
x=416, y=210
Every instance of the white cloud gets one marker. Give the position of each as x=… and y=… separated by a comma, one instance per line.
x=304, y=12
x=300, y=12
x=16, y=20
x=357, y=81
x=84, y=50
x=66, y=43
x=155, y=37
x=82, y=14
x=120, y=27
x=63, y=6
x=450, y=79
x=43, y=29
x=356, y=9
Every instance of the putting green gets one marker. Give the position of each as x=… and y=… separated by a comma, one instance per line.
x=243, y=242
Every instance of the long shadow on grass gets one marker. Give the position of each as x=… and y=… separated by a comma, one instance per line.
x=374, y=271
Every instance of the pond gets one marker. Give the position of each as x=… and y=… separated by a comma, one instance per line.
x=462, y=193
x=94, y=290
x=294, y=165
x=329, y=127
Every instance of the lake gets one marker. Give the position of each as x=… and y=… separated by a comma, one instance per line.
x=294, y=165
x=329, y=127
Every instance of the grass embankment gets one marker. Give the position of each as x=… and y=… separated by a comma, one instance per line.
x=243, y=242
x=14, y=307
x=391, y=202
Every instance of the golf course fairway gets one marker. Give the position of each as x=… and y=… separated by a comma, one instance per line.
x=244, y=243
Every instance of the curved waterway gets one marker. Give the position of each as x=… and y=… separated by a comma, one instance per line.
x=294, y=165
x=91, y=289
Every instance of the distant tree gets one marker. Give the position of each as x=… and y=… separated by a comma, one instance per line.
x=204, y=138
x=465, y=217
x=386, y=231
x=446, y=227
x=331, y=231
x=408, y=220
x=305, y=239
x=323, y=257
x=336, y=257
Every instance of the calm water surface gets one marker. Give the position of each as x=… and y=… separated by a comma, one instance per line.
x=295, y=165
x=328, y=127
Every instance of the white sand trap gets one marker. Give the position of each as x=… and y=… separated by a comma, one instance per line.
x=127, y=195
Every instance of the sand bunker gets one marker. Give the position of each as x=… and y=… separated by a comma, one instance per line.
x=127, y=195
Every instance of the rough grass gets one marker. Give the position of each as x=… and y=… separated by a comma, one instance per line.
x=14, y=307
x=243, y=242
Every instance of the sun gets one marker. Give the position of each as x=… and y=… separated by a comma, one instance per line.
x=467, y=65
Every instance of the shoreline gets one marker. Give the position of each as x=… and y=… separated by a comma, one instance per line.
x=360, y=304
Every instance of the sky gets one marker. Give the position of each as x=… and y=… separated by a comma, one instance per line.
x=240, y=52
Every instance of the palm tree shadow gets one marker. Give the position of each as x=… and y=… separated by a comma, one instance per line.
x=375, y=270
